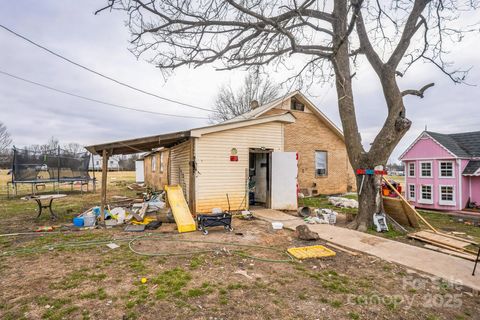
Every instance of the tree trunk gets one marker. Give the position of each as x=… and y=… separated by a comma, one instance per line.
x=367, y=205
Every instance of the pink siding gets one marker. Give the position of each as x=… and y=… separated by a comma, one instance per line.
x=465, y=185
x=426, y=148
x=475, y=192
x=436, y=182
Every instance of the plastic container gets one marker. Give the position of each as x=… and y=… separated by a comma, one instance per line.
x=89, y=220
x=96, y=211
x=78, y=221
x=277, y=225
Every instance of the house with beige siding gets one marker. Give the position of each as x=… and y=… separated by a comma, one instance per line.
x=261, y=158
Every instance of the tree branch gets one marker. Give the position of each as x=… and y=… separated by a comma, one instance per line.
x=418, y=93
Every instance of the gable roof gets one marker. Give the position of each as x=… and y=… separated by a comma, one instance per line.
x=472, y=167
x=152, y=143
x=258, y=112
x=463, y=145
x=460, y=145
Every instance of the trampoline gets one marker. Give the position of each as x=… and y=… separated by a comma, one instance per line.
x=54, y=166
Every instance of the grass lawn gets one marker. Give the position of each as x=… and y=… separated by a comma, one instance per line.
x=74, y=275
x=438, y=220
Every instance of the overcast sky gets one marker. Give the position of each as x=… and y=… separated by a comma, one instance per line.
x=33, y=114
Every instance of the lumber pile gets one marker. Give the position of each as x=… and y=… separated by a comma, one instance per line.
x=400, y=212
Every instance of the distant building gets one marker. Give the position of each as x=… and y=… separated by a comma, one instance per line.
x=96, y=164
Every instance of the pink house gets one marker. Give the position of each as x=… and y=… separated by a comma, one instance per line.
x=443, y=170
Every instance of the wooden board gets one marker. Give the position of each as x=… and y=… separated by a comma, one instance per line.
x=400, y=212
x=439, y=238
x=466, y=256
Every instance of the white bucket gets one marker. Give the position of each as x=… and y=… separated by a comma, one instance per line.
x=277, y=225
x=89, y=220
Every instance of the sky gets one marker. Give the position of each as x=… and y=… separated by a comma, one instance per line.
x=33, y=114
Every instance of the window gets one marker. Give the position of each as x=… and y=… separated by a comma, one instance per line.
x=411, y=192
x=447, y=195
x=446, y=169
x=426, y=195
x=296, y=105
x=426, y=169
x=154, y=163
x=411, y=169
x=161, y=162
x=320, y=163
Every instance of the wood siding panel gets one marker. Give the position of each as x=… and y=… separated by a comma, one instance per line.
x=216, y=175
x=158, y=179
x=180, y=167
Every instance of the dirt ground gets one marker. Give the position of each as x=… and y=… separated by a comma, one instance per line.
x=74, y=275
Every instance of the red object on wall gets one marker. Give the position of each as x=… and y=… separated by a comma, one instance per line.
x=233, y=158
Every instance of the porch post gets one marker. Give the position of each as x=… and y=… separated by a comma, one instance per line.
x=104, y=185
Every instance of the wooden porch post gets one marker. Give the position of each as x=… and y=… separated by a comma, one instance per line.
x=104, y=185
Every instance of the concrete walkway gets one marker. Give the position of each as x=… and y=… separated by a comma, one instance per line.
x=447, y=267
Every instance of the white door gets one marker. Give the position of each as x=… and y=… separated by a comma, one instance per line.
x=139, y=173
x=284, y=181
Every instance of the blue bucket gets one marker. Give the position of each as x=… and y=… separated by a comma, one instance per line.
x=78, y=221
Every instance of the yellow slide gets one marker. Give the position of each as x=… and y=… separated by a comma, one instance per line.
x=180, y=210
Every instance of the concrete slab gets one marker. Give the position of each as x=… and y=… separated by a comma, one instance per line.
x=449, y=268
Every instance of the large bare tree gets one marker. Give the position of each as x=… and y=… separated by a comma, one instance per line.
x=230, y=103
x=332, y=37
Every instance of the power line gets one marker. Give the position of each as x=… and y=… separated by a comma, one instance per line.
x=100, y=74
x=95, y=100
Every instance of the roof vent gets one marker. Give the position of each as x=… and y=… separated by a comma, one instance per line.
x=254, y=104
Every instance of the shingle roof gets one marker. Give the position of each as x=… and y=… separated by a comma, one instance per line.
x=472, y=167
x=464, y=145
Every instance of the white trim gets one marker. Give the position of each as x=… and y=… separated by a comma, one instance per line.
x=420, y=171
x=287, y=117
x=430, y=158
x=440, y=169
x=460, y=191
x=414, y=191
x=424, y=133
x=446, y=202
x=421, y=199
x=414, y=169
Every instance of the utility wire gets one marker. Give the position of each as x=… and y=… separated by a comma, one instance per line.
x=95, y=100
x=101, y=74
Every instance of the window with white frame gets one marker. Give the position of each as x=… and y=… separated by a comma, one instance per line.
x=411, y=192
x=321, y=163
x=426, y=194
x=426, y=169
x=161, y=162
x=411, y=169
x=154, y=163
x=447, y=195
x=446, y=169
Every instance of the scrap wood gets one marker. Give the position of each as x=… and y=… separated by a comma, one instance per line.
x=450, y=252
x=408, y=203
x=399, y=211
x=447, y=243
x=353, y=253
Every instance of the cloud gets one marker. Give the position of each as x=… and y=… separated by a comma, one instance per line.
x=33, y=114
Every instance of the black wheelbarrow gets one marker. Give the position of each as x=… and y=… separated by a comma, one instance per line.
x=224, y=219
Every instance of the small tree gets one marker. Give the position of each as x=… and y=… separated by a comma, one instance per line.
x=5, y=139
x=230, y=103
x=331, y=37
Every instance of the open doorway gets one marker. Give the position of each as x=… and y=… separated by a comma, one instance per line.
x=259, y=177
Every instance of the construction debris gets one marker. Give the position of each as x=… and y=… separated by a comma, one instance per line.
x=311, y=252
x=304, y=233
x=343, y=202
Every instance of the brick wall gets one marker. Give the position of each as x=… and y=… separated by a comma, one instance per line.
x=309, y=134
